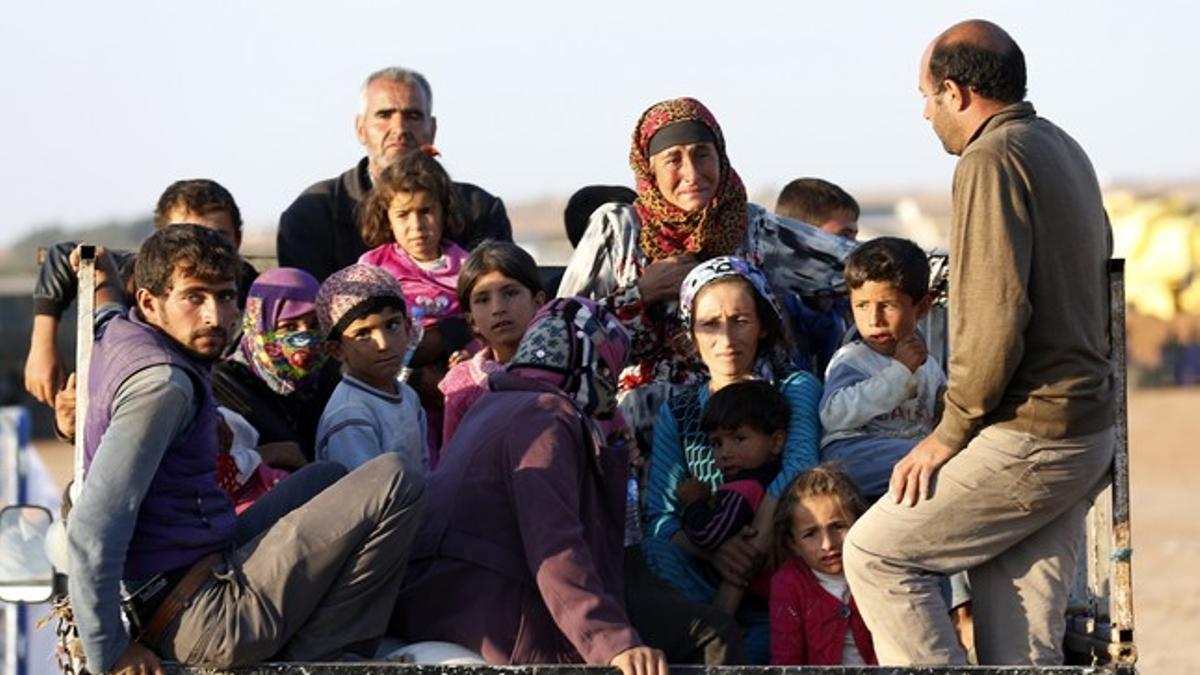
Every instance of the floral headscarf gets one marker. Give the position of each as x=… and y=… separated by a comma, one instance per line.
x=352, y=291
x=579, y=347
x=281, y=359
x=717, y=229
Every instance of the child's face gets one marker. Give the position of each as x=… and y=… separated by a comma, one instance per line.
x=744, y=448
x=819, y=525
x=885, y=315
x=500, y=310
x=416, y=220
x=372, y=347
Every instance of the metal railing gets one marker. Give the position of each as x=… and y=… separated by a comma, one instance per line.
x=1100, y=627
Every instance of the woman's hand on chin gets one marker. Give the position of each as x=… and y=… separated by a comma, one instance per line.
x=641, y=660
x=661, y=279
x=738, y=558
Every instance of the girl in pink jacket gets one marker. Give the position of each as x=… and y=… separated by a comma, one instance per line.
x=408, y=219
x=813, y=618
x=500, y=289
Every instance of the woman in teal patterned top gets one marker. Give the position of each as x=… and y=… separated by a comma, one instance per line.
x=738, y=331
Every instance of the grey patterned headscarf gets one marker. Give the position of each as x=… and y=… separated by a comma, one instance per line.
x=579, y=347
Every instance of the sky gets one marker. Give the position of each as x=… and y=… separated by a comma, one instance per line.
x=106, y=103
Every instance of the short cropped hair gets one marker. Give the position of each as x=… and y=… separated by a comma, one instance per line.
x=890, y=260
x=995, y=72
x=198, y=195
x=400, y=76
x=754, y=403
x=191, y=249
x=504, y=257
x=814, y=201
x=413, y=172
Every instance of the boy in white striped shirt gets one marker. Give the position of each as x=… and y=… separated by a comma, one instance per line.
x=882, y=389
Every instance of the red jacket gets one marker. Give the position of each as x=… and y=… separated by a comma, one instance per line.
x=808, y=625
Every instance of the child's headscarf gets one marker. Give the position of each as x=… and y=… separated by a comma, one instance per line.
x=717, y=229
x=354, y=291
x=579, y=347
x=281, y=359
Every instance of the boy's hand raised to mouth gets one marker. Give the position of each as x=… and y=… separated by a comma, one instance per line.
x=911, y=351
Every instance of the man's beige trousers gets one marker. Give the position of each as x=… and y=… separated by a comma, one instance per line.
x=1009, y=509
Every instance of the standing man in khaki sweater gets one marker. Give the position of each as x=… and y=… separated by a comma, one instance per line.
x=1001, y=486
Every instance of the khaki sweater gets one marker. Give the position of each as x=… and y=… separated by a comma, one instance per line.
x=1028, y=285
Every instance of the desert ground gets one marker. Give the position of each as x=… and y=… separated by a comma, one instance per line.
x=1164, y=427
x=1165, y=472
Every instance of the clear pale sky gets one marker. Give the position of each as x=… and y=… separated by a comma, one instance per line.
x=105, y=103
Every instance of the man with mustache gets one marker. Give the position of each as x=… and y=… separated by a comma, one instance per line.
x=297, y=576
x=1000, y=487
x=319, y=232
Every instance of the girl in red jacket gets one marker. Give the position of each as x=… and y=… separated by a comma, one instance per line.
x=813, y=618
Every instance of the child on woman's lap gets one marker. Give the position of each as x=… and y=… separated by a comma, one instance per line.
x=746, y=423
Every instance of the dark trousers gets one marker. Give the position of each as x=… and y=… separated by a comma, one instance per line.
x=689, y=633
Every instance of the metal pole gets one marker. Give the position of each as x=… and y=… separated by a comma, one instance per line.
x=14, y=446
x=9, y=449
x=1122, y=549
x=84, y=336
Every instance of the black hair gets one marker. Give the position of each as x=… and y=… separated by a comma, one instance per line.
x=585, y=201
x=504, y=257
x=994, y=69
x=193, y=250
x=890, y=260
x=198, y=195
x=753, y=403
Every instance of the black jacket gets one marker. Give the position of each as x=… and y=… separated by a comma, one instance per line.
x=276, y=418
x=319, y=231
x=57, y=284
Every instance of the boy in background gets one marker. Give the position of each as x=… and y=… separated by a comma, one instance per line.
x=198, y=201
x=820, y=204
x=818, y=324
